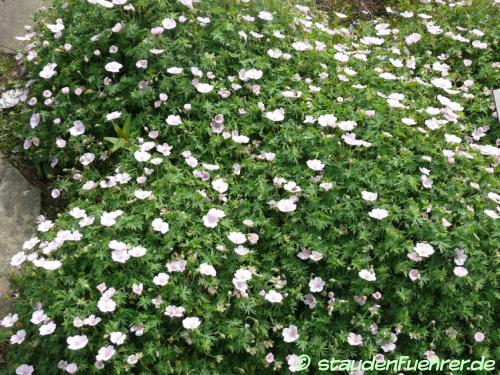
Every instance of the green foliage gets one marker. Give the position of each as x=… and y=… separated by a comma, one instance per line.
x=252, y=141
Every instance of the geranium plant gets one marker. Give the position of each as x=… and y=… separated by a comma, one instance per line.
x=250, y=181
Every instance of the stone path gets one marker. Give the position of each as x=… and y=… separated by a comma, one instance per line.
x=19, y=207
x=14, y=14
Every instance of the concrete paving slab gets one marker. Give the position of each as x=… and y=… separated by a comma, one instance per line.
x=19, y=207
x=14, y=14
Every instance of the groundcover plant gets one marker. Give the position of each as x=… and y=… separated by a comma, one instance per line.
x=250, y=181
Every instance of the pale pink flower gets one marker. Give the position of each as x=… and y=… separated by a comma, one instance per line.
x=211, y=219
x=25, y=369
x=277, y=115
x=316, y=285
x=369, y=196
x=18, y=337
x=47, y=329
x=113, y=67
x=414, y=275
x=270, y=357
x=460, y=271
x=367, y=275
x=117, y=338
x=354, y=339
x=315, y=165
x=237, y=238
x=173, y=120
x=168, y=23
x=161, y=279
x=48, y=71
x=77, y=342
x=378, y=213
x=273, y=296
x=291, y=333
x=479, y=337
x=191, y=323
x=424, y=249
x=220, y=185
x=207, y=270
x=286, y=205
x=174, y=311
x=105, y=353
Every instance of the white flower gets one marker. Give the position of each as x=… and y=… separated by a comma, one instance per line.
x=142, y=155
x=175, y=70
x=460, y=271
x=49, y=265
x=25, y=369
x=246, y=75
x=113, y=115
x=290, y=334
x=491, y=214
x=207, y=270
x=211, y=219
x=176, y=265
x=175, y=311
x=117, y=338
x=105, y=353
x=47, y=329
x=342, y=57
x=276, y=115
x=302, y=46
x=424, y=249
x=160, y=226
x=266, y=16
x=453, y=139
x=137, y=288
x=77, y=342
x=18, y=337
x=45, y=226
x=188, y=3
x=142, y=194
x=137, y=251
x=369, y=196
x=72, y=368
x=87, y=158
x=315, y=165
x=161, y=279
x=108, y=219
x=327, y=120
x=414, y=275
x=18, y=259
x=38, y=317
x=237, y=238
x=168, y=23
x=413, y=38
x=48, y=71
x=273, y=296
x=316, y=285
x=220, y=185
x=34, y=120
x=191, y=323
x=113, y=67
x=173, y=120
x=106, y=304
x=367, y=275
x=441, y=83
x=378, y=213
x=286, y=205
x=78, y=128
x=204, y=88
x=354, y=340
x=9, y=320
